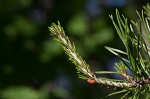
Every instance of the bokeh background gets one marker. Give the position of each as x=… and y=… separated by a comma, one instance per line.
x=34, y=66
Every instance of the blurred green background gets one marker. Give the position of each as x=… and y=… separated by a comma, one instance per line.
x=34, y=66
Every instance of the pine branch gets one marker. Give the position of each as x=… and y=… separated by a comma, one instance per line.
x=82, y=67
x=136, y=39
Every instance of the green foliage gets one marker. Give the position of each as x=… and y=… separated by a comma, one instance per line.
x=136, y=42
x=147, y=10
x=136, y=39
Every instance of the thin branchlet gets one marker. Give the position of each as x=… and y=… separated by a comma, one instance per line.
x=116, y=83
x=70, y=50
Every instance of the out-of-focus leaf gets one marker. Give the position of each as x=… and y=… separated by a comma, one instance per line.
x=78, y=25
x=11, y=32
x=25, y=3
x=59, y=92
x=99, y=38
x=103, y=36
x=50, y=49
x=25, y=26
x=19, y=93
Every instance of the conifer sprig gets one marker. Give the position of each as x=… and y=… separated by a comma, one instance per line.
x=83, y=68
x=136, y=39
x=69, y=48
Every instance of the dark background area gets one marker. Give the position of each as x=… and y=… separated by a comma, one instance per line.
x=34, y=66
